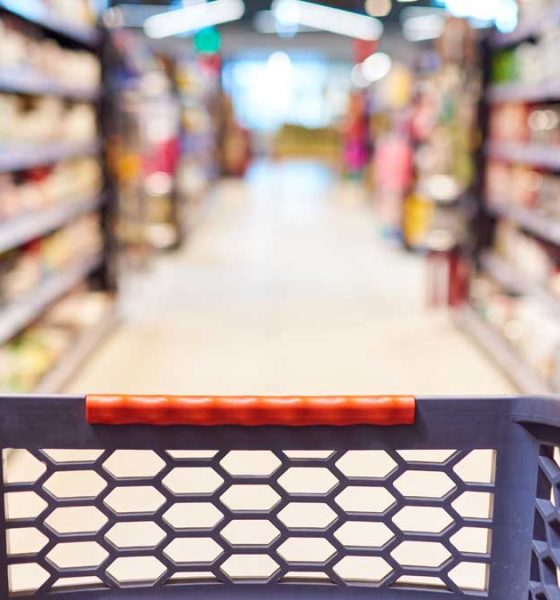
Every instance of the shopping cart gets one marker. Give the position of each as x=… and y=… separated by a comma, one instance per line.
x=293, y=498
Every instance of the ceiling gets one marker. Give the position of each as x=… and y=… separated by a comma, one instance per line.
x=241, y=37
x=254, y=6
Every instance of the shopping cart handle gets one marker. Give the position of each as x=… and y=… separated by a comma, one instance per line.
x=292, y=411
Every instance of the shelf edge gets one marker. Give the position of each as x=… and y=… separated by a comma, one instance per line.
x=19, y=314
x=497, y=349
x=37, y=15
x=89, y=341
x=19, y=230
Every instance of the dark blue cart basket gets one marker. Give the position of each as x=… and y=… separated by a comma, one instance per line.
x=463, y=502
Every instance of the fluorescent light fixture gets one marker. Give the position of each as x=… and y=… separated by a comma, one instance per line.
x=130, y=15
x=376, y=66
x=422, y=23
x=193, y=18
x=334, y=20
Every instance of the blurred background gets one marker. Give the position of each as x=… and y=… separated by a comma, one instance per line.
x=342, y=196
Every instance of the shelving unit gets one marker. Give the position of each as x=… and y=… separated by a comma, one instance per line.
x=34, y=12
x=524, y=92
x=21, y=157
x=27, y=309
x=27, y=227
x=530, y=220
x=509, y=296
x=516, y=281
x=16, y=232
x=528, y=154
x=73, y=360
x=498, y=350
x=526, y=29
x=35, y=84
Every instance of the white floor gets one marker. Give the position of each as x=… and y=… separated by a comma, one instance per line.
x=286, y=287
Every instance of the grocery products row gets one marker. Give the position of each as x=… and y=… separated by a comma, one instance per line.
x=521, y=123
x=32, y=191
x=512, y=308
x=31, y=57
x=516, y=290
x=104, y=152
x=57, y=258
x=24, y=269
x=62, y=336
x=467, y=168
x=423, y=124
x=45, y=119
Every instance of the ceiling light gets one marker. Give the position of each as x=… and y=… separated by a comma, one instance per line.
x=193, y=18
x=422, y=24
x=378, y=8
x=334, y=20
x=376, y=66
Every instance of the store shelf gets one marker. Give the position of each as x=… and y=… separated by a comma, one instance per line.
x=34, y=12
x=526, y=29
x=544, y=227
x=20, y=230
x=529, y=154
x=72, y=360
x=18, y=315
x=18, y=157
x=499, y=351
x=34, y=84
x=524, y=92
x=516, y=281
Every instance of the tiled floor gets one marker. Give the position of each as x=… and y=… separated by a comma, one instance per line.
x=287, y=288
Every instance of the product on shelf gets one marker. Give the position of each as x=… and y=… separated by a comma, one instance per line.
x=522, y=123
x=52, y=220
x=529, y=63
x=524, y=252
x=24, y=269
x=510, y=186
x=30, y=356
x=198, y=85
x=443, y=127
x=25, y=53
x=45, y=119
x=530, y=328
x=64, y=183
x=78, y=12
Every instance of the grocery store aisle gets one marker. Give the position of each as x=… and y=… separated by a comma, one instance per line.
x=285, y=288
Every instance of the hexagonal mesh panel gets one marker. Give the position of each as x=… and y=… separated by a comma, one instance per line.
x=545, y=563
x=383, y=518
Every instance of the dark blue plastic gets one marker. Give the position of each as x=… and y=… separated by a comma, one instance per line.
x=521, y=560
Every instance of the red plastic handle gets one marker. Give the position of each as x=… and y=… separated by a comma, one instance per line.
x=294, y=411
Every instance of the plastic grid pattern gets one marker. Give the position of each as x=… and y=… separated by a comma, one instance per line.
x=381, y=518
x=545, y=565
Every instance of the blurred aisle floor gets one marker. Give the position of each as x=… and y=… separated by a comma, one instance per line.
x=286, y=288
